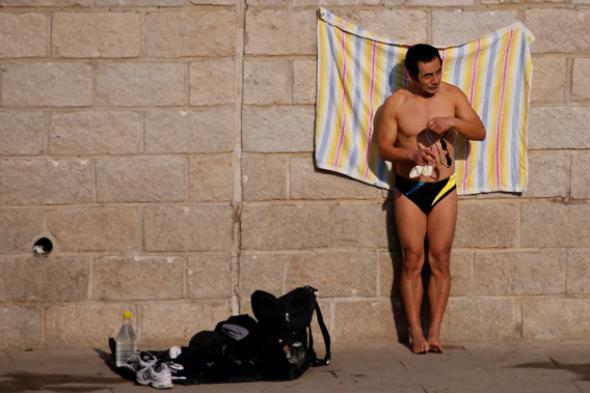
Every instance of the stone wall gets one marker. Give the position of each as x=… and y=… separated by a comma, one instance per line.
x=165, y=147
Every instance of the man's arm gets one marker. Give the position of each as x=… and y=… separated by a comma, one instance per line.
x=466, y=122
x=387, y=135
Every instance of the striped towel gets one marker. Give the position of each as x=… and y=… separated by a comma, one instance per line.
x=358, y=70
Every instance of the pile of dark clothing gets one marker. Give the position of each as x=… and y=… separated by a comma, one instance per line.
x=276, y=346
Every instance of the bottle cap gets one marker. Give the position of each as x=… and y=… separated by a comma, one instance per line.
x=127, y=314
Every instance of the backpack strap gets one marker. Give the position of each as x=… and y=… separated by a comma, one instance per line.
x=328, y=356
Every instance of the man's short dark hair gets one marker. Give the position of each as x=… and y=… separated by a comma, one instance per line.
x=419, y=52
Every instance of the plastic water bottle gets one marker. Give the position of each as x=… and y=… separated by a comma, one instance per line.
x=126, y=341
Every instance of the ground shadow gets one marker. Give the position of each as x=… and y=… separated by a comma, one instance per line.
x=582, y=370
x=28, y=381
x=22, y=381
x=109, y=361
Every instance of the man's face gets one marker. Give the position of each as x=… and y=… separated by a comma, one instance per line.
x=429, y=76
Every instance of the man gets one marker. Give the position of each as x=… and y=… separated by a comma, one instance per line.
x=417, y=133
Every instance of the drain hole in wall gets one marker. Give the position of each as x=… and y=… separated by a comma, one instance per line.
x=42, y=247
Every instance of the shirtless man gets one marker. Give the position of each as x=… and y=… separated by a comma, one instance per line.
x=418, y=126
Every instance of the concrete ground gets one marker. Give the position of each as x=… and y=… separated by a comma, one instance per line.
x=505, y=368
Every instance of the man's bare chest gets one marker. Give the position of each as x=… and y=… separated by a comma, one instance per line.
x=415, y=115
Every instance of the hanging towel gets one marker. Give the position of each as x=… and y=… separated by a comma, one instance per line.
x=358, y=70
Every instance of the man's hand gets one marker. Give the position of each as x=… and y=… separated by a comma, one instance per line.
x=424, y=156
x=440, y=125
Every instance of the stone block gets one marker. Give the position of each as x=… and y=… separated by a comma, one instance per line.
x=438, y=3
x=212, y=81
x=208, y=32
x=546, y=225
x=306, y=182
x=462, y=280
x=84, y=325
x=307, y=3
x=267, y=226
x=390, y=265
x=558, y=128
x=137, y=278
x=519, y=273
x=282, y=129
x=304, y=81
x=53, y=279
x=46, y=84
x=266, y=82
x=214, y=2
x=578, y=272
x=95, y=228
x=207, y=131
x=548, y=174
x=411, y=25
x=263, y=270
x=96, y=34
x=22, y=326
x=481, y=319
x=22, y=132
x=45, y=181
x=19, y=228
x=137, y=3
x=173, y=323
x=46, y=3
x=364, y=320
x=548, y=79
x=280, y=32
x=209, y=276
x=457, y=27
x=504, y=1
x=95, y=133
x=294, y=3
x=486, y=225
x=264, y=176
x=555, y=318
x=335, y=273
x=141, y=84
x=359, y=225
x=24, y=35
x=141, y=179
x=203, y=227
x=580, y=180
x=211, y=178
x=581, y=79
x=547, y=24
x=267, y=3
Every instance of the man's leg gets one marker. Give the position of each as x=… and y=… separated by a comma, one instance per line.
x=411, y=228
x=440, y=232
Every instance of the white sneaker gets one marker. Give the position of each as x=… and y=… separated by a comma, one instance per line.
x=156, y=375
x=139, y=361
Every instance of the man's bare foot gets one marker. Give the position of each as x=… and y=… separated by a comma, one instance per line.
x=419, y=344
x=435, y=347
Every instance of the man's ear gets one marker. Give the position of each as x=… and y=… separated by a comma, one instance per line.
x=409, y=75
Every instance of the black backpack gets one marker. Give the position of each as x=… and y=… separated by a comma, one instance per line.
x=287, y=321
